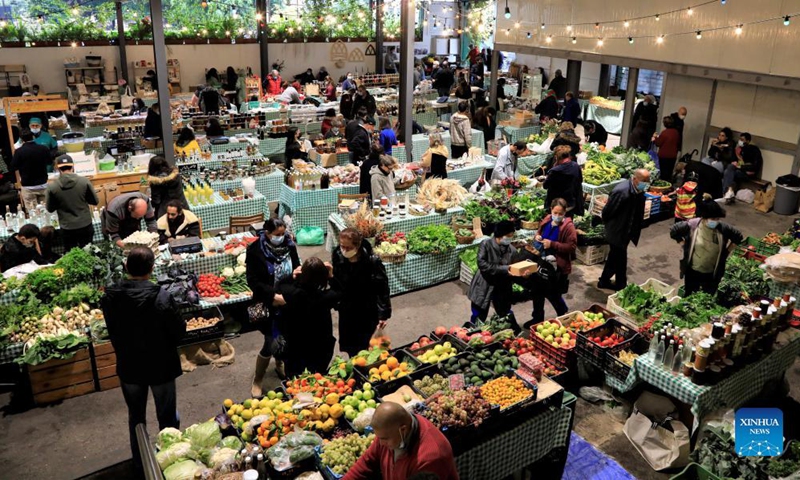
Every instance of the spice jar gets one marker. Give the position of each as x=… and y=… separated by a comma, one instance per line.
x=701, y=355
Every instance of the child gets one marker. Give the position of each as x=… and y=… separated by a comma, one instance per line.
x=685, y=204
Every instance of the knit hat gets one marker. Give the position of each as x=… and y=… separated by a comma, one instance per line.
x=503, y=228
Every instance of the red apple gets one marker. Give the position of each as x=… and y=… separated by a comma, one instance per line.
x=440, y=331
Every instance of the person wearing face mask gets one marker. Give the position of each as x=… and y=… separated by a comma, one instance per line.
x=706, y=243
x=406, y=445
x=565, y=181
x=364, y=99
x=622, y=217
x=678, y=121
x=29, y=167
x=557, y=236
x=177, y=223
x=42, y=137
x=382, y=177
x=274, y=83
x=748, y=159
x=310, y=295
x=349, y=83
x=270, y=260
x=493, y=281
x=336, y=130
x=647, y=110
x=364, y=304
x=327, y=121
x=22, y=247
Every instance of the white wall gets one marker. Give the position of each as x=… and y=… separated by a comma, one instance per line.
x=590, y=72
x=694, y=94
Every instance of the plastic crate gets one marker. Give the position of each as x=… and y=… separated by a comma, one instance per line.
x=592, y=254
x=466, y=274
x=564, y=356
x=407, y=346
x=460, y=346
x=760, y=247
x=653, y=285
x=596, y=354
x=615, y=367
x=204, y=334
x=567, y=319
x=655, y=203
x=400, y=355
x=694, y=471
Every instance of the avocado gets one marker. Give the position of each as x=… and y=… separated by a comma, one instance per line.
x=463, y=362
x=480, y=356
x=486, y=374
x=475, y=369
x=499, y=369
x=451, y=360
x=478, y=383
x=474, y=380
x=514, y=363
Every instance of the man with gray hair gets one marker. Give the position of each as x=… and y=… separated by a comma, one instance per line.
x=622, y=217
x=124, y=214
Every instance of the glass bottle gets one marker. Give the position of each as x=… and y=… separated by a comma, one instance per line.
x=660, y=352
x=669, y=355
x=677, y=362
x=653, y=351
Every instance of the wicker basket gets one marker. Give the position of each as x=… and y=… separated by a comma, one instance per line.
x=465, y=240
x=393, y=258
x=526, y=225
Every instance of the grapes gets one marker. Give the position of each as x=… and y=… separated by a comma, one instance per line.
x=341, y=454
x=457, y=409
x=430, y=385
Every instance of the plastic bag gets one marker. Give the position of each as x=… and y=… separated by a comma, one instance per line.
x=300, y=437
x=310, y=236
x=249, y=186
x=595, y=394
x=480, y=186
x=203, y=435
x=783, y=267
x=544, y=147
x=745, y=195
x=167, y=437
x=184, y=470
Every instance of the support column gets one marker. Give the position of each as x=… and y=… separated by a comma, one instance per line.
x=605, y=80
x=123, y=56
x=160, y=54
x=574, y=76
x=710, y=114
x=379, y=36
x=406, y=70
x=630, y=101
x=263, y=39
x=493, y=75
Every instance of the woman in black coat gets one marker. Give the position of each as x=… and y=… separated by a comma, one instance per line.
x=305, y=321
x=165, y=185
x=364, y=304
x=152, y=123
x=486, y=122
x=565, y=180
x=548, y=107
x=364, y=179
x=566, y=136
x=294, y=149
x=269, y=260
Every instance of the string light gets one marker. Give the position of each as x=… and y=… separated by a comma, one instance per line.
x=597, y=25
x=549, y=39
x=599, y=42
x=722, y=2
x=787, y=20
x=690, y=11
x=528, y=34
x=658, y=17
x=660, y=39
x=626, y=24
x=738, y=30
x=259, y=17
x=507, y=11
x=74, y=11
x=574, y=40
x=74, y=44
x=630, y=40
x=699, y=35
x=204, y=4
x=3, y=24
x=569, y=28
x=516, y=25
x=542, y=26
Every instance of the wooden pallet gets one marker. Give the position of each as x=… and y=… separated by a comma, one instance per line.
x=106, y=366
x=61, y=379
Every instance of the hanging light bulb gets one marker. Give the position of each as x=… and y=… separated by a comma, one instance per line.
x=3, y=24
x=508, y=30
x=738, y=30
x=542, y=26
x=574, y=40
x=787, y=20
x=74, y=44
x=74, y=10
x=689, y=11
x=569, y=28
x=699, y=35
x=528, y=34
x=626, y=24
x=234, y=14
x=630, y=40
x=658, y=17
x=599, y=42
x=597, y=25
x=204, y=4
x=660, y=39
x=549, y=39
x=508, y=13
x=722, y=2
x=516, y=25
x=259, y=17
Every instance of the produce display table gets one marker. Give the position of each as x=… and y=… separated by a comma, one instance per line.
x=731, y=392
x=336, y=224
x=217, y=215
x=421, y=144
x=525, y=165
x=427, y=119
x=423, y=271
x=267, y=185
x=311, y=208
x=469, y=174
x=58, y=247
x=610, y=119
x=11, y=352
x=516, y=134
x=510, y=451
x=595, y=190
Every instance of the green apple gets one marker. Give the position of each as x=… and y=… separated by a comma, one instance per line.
x=351, y=414
x=371, y=403
x=367, y=386
x=368, y=395
x=362, y=406
x=358, y=395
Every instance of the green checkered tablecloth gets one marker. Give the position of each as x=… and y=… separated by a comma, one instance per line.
x=311, y=208
x=217, y=215
x=421, y=143
x=198, y=264
x=267, y=185
x=611, y=120
x=733, y=391
x=217, y=161
x=468, y=175
x=595, y=190
x=336, y=224
x=233, y=145
x=509, y=451
x=427, y=119
x=423, y=271
x=520, y=134
x=240, y=131
x=525, y=165
x=272, y=146
x=9, y=353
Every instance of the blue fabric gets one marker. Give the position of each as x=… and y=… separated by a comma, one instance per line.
x=388, y=139
x=584, y=462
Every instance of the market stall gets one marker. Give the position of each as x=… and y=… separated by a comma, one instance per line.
x=607, y=113
x=528, y=165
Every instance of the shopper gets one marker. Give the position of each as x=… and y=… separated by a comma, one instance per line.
x=274, y=84
x=595, y=133
x=365, y=99
x=177, y=223
x=390, y=61
x=137, y=107
x=706, y=244
x=493, y=281
x=364, y=304
x=30, y=163
x=572, y=109
x=270, y=260
x=145, y=329
x=565, y=181
x=460, y=131
x=748, y=159
x=566, y=136
x=349, y=83
x=506, y=165
x=152, y=123
x=330, y=90
x=406, y=445
x=210, y=100
x=443, y=81
x=337, y=129
x=501, y=95
x=372, y=160
x=686, y=201
x=358, y=138
x=186, y=145
x=667, y=142
x=289, y=94
x=678, y=121
x=70, y=195
x=322, y=74
x=558, y=237
x=646, y=110
x=305, y=77
x=212, y=78
x=640, y=136
x=124, y=215
x=548, y=107
x=387, y=137
x=559, y=84
x=308, y=310
x=295, y=147
x=434, y=160
x=486, y=122
x=382, y=178
x=346, y=104
x=165, y=185
x=22, y=247
x=42, y=137
x=622, y=217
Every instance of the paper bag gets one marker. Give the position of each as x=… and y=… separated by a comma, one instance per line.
x=655, y=432
x=126, y=100
x=764, y=200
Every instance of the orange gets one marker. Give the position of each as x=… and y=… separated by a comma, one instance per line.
x=403, y=366
x=361, y=362
x=392, y=363
x=384, y=355
x=383, y=368
x=386, y=375
x=273, y=440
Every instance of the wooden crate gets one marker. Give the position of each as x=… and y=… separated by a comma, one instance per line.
x=105, y=360
x=61, y=379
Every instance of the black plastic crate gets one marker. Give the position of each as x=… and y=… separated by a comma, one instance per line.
x=204, y=334
x=407, y=347
x=487, y=350
x=614, y=366
x=385, y=388
x=400, y=355
x=594, y=353
x=460, y=346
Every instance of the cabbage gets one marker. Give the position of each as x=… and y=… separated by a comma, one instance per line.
x=184, y=470
x=175, y=452
x=167, y=437
x=232, y=442
x=241, y=259
x=227, y=272
x=240, y=269
x=221, y=457
x=203, y=435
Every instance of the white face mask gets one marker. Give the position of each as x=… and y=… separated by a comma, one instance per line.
x=505, y=241
x=35, y=130
x=348, y=254
x=682, y=117
x=741, y=143
x=349, y=77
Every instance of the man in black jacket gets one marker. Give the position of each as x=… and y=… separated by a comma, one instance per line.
x=622, y=217
x=559, y=84
x=595, y=133
x=21, y=248
x=444, y=81
x=145, y=330
x=358, y=142
x=364, y=99
x=647, y=110
x=30, y=162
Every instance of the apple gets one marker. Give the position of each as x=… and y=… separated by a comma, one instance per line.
x=415, y=346
x=440, y=331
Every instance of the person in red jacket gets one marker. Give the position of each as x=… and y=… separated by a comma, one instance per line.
x=274, y=82
x=668, y=142
x=405, y=445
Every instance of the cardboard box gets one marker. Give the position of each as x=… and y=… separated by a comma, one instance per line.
x=475, y=152
x=111, y=191
x=326, y=160
x=523, y=115
x=522, y=268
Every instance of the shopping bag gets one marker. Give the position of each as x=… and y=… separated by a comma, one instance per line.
x=656, y=433
x=654, y=155
x=309, y=236
x=764, y=200
x=126, y=100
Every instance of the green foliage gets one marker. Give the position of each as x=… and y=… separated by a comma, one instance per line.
x=743, y=279
x=431, y=239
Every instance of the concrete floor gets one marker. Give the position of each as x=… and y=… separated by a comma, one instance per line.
x=88, y=434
